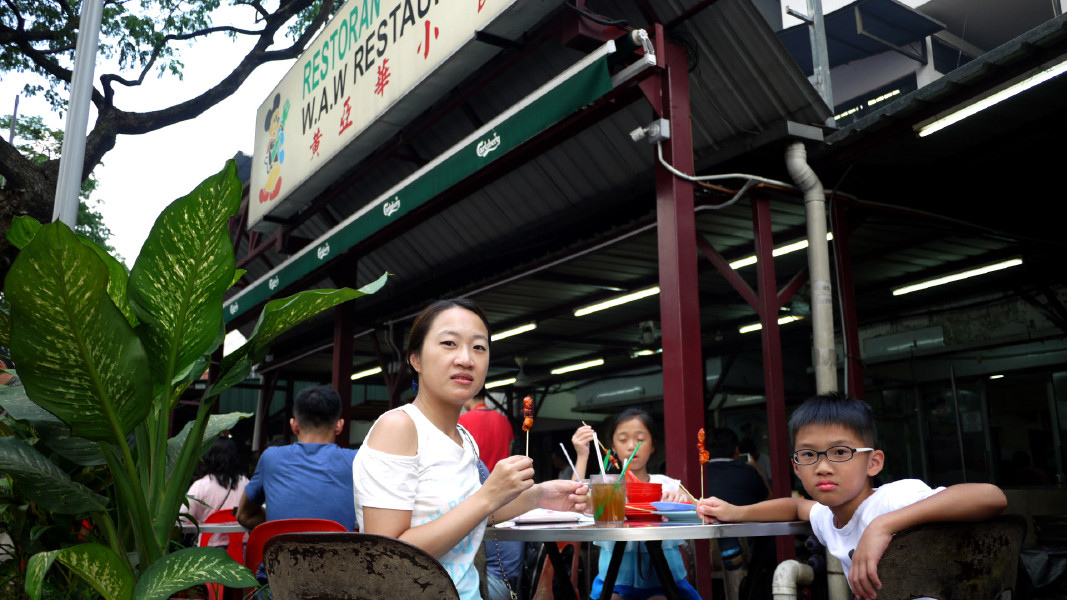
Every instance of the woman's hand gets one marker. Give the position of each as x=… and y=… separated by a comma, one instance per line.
x=510, y=477
x=563, y=495
x=580, y=440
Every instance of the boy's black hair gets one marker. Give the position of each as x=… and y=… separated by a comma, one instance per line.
x=836, y=408
x=721, y=443
x=317, y=407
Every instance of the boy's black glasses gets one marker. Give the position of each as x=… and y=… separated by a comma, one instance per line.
x=803, y=458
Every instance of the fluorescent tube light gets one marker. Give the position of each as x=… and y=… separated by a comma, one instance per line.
x=958, y=276
x=993, y=99
x=645, y=352
x=758, y=326
x=996, y=377
x=578, y=366
x=652, y=291
x=499, y=382
x=786, y=249
x=514, y=331
x=366, y=373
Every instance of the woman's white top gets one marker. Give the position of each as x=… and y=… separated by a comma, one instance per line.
x=434, y=481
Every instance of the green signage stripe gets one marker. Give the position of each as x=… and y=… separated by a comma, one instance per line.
x=566, y=98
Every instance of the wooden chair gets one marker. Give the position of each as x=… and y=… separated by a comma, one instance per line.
x=954, y=561
x=235, y=547
x=352, y=566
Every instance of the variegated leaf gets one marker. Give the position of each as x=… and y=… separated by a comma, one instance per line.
x=95, y=564
x=277, y=317
x=78, y=355
x=40, y=480
x=189, y=567
x=186, y=265
x=116, y=283
x=14, y=400
x=50, y=429
x=216, y=424
x=5, y=326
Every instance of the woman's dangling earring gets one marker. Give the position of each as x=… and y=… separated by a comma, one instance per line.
x=415, y=386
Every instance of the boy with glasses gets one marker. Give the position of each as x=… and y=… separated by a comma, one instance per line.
x=835, y=458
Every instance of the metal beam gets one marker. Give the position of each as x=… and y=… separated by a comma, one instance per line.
x=683, y=369
x=773, y=377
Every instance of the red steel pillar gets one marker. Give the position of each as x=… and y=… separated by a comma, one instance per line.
x=341, y=380
x=842, y=232
x=773, y=378
x=683, y=373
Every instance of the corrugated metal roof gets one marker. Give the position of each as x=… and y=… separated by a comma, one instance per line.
x=558, y=231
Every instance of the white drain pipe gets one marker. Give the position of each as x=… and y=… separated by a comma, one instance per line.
x=836, y=581
x=787, y=576
x=822, y=302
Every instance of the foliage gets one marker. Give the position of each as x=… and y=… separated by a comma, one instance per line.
x=139, y=41
x=41, y=143
x=104, y=358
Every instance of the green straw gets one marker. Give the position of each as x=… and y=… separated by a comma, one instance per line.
x=626, y=467
x=600, y=509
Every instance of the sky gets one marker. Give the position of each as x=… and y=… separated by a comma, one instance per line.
x=144, y=173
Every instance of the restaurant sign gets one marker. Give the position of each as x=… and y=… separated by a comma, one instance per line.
x=353, y=76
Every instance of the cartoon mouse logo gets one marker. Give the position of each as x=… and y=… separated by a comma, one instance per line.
x=274, y=125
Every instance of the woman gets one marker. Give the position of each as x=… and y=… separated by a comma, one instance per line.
x=416, y=475
x=219, y=485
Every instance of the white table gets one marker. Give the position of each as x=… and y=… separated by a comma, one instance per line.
x=215, y=528
x=652, y=533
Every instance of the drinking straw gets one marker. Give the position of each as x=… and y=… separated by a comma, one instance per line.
x=626, y=467
x=597, y=439
x=600, y=460
x=568, y=457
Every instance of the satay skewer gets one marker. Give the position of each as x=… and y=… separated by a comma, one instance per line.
x=527, y=420
x=705, y=456
x=607, y=451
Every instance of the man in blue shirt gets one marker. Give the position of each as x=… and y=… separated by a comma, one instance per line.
x=310, y=479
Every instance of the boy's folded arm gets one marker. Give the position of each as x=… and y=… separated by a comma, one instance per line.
x=961, y=502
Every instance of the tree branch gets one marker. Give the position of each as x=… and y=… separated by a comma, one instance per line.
x=136, y=123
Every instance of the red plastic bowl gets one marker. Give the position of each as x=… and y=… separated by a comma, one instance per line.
x=643, y=492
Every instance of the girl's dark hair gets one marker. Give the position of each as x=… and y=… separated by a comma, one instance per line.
x=421, y=327
x=634, y=413
x=222, y=462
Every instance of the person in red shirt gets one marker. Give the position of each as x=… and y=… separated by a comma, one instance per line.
x=491, y=430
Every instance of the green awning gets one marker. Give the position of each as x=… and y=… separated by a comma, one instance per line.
x=581, y=84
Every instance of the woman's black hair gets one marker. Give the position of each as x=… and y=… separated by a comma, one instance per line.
x=421, y=327
x=221, y=461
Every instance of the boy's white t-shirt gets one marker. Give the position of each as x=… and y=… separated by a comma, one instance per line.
x=429, y=484
x=891, y=496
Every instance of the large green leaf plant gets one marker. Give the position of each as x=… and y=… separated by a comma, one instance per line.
x=104, y=358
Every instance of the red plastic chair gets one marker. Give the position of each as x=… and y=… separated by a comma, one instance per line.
x=269, y=529
x=235, y=547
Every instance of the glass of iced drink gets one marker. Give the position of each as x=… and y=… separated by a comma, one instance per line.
x=608, y=494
